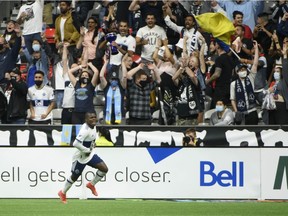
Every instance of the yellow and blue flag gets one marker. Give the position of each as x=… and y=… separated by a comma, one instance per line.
x=218, y=25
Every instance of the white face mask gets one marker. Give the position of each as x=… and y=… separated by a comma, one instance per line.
x=219, y=108
x=242, y=74
x=276, y=76
x=36, y=47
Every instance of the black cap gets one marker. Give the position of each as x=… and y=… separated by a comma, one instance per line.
x=239, y=66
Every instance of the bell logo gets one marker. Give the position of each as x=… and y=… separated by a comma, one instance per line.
x=224, y=178
x=282, y=166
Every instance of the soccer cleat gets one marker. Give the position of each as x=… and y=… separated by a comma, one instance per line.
x=92, y=188
x=62, y=197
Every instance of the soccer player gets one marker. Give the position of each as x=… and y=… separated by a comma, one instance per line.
x=85, y=142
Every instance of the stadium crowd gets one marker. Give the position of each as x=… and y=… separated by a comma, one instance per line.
x=149, y=58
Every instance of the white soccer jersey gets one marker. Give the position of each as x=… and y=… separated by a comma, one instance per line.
x=85, y=143
x=125, y=41
x=151, y=35
x=41, y=99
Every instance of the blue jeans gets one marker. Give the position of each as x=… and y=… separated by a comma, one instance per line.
x=59, y=95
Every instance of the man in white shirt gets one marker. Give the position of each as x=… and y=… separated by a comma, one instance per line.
x=31, y=15
x=148, y=37
x=124, y=42
x=41, y=99
x=85, y=155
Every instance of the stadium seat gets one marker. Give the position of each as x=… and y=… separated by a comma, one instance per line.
x=50, y=35
x=207, y=115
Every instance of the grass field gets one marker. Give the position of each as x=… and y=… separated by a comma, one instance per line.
x=39, y=207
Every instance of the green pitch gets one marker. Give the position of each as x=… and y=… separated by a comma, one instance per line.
x=125, y=207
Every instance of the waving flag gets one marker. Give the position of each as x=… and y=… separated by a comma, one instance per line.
x=218, y=25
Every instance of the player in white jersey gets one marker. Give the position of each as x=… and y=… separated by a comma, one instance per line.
x=85, y=155
x=148, y=36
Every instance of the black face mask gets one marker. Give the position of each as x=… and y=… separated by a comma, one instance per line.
x=1, y=46
x=143, y=83
x=13, y=77
x=84, y=80
x=38, y=83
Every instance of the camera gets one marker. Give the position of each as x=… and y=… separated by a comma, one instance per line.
x=187, y=140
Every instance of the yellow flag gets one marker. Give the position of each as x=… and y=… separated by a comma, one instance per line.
x=217, y=24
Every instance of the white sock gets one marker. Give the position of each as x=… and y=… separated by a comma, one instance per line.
x=99, y=175
x=67, y=185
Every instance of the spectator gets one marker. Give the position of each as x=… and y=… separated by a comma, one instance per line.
x=41, y=99
x=279, y=10
x=47, y=14
x=263, y=31
x=16, y=95
x=177, y=14
x=81, y=12
x=65, y=31
x=84, y=91
x=250, y=9
x=146, y=8
x=147, y=37
x=198, y=7
x=279, y=88
x=139, y=94
x=124, y=43
x=114, y=91
x=282, y=27
x=242, y=94
x=222, y=75
x=37, y=61
x=241, y=45
x=10, y=35
x=189, y=30
x=167, y=68
x=238, y=20
x=68, y=102
x=90, y=38
x=31, y=15
x=222, y=115
x=8, y=56
x=188, y=101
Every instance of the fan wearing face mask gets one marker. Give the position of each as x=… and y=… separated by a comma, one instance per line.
x=41, y=100
x=278, y=88
x=114, y=91
x=38, y=60
x=84, y=90
x=242, y=94
x=222, y=115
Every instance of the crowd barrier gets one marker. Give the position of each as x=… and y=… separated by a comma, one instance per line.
x=165, y=136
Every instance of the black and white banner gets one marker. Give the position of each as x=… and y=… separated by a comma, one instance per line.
x=235, y=136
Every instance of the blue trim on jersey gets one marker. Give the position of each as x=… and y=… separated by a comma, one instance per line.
x=87, y=144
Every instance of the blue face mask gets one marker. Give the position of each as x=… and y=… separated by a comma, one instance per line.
x=114, y=83
x=219, y=108
x=36, y=47
x=276, y=76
